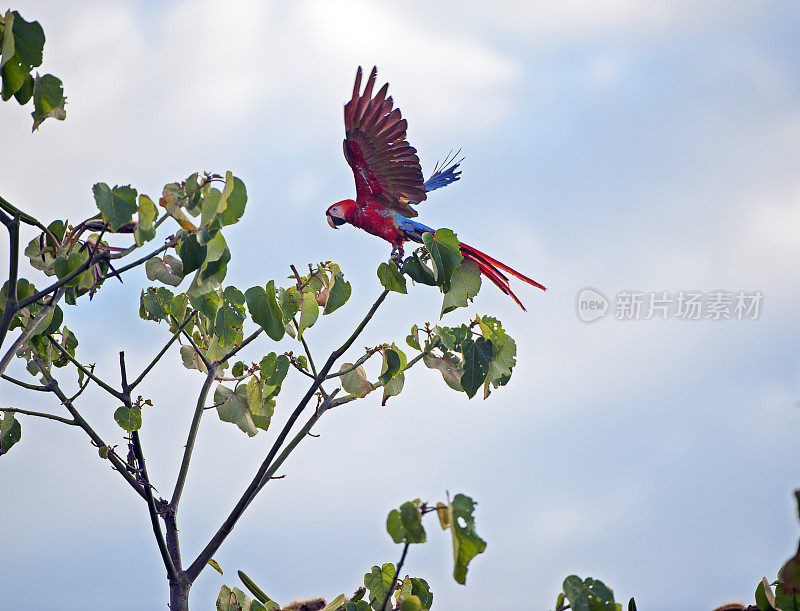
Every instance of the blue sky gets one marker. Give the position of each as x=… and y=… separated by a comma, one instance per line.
x=619, y=145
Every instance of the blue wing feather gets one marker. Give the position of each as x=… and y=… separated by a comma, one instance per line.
x=444, y=173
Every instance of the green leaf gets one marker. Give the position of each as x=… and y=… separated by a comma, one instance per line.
x=144, y=231
x=412, y=339
x=265, y=311
x=589, y=594
x=335, y=603
x=309, y=312
x=355, y=382
x=392, y=365
x=216, y=565
x=289, y=301
x=48, y=100
x=168, y=270
x=274, y=368
x=418, y=271
x=232, y=407
x=378, y=581
x=228, y=325
x=191, y=252
x=130, y=419
x=28, y=40
x=787, y=599
x=450, y=367
x=359, y=605
x=10, y=432
x=466, y=542
x=233, y=600
x=476, y=354
x=207, y=304
x=212, y=271
x=155, y=303
x=465, y=283
x=405, y=525
x=765, y=599
x=258, y=593
x=445, y=251
x=235, y=197
x=412, y=603
x=22, y=44
x=234, y=296
x=421, y=589
x=392, y=377
x=338, y=295
x=391, y=278
x=25, y=92
x=261, y=410
x=504, y=351
x=117, y=205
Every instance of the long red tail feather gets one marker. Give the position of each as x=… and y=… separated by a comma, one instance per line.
x=491, y=267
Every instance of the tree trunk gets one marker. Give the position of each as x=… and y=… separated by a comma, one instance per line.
x=179, y=593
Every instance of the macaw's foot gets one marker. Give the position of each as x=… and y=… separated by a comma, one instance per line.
x=422, y=253
x=397, y=255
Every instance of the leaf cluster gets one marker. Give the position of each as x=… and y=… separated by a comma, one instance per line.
x=383, y=582
x=21, y=50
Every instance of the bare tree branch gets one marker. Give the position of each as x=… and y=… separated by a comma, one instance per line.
x=148, y=489
x=13, y=410
x=187, y=453
x=163, y=351
x=10, y=308
x=119, y=465
x=227, y=526
x=26, y=385
x=86, y=372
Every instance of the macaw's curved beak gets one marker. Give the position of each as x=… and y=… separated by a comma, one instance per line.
x=335, y=221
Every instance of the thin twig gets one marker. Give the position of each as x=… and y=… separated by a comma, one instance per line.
x=163, y=351
x=390, y=591
x=91, y=260
x=187, y=453
x=354, y=366
x=13, y=410
x=305, y=431
x=119, y=464
x=38, y=387
x=310, y=359
x=11, y=307
x=81, y=388
x=168, y=244
x=148, y=490
x=85, y=371
x=227, y=526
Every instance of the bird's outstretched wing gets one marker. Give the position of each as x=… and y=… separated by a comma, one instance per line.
x=385, y=166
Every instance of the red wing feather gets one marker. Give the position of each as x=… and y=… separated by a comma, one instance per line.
x=385, y=166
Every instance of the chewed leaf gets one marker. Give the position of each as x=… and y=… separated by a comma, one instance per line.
x=466, y=542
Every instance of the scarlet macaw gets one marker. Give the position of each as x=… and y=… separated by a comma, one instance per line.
x=389, y=181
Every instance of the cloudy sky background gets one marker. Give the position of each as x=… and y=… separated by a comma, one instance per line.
x=619, y=145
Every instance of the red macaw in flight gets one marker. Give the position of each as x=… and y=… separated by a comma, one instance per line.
x=389, y=181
